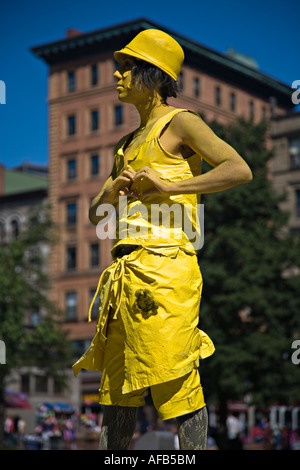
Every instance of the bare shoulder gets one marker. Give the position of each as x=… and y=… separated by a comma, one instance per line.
x=186, y=122
x=193, y=132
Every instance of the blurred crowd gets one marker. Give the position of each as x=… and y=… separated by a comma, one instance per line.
x=72, y=430
x=262, y=436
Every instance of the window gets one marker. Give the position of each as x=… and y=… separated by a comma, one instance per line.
x=95, y=164
x=294, y=150
x=71, y=305
x=232, y=102
x=58, y=385
x=2, y=232
x=196, y=86
x=95, y=308
x=41, y=383
x=15, y=229
x=94, y=255
x=25, y=383
x=71, y=214
x=71, y=125
x=263, y=113
x=35, y=319
x=251, y=109
x=118, y=115
x=298, y=202
x=71, y=81
x=218, y=100
x=181, y=81
x=71, y=169
x=71, y=258
x=94, y=75
x=79, y=346
x=94, y=120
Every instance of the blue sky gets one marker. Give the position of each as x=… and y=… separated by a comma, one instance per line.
x=267, y=31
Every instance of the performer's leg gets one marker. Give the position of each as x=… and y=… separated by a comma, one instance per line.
x=192, y=430
x=117, y=428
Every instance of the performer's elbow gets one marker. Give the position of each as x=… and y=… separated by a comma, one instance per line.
x=246, y=174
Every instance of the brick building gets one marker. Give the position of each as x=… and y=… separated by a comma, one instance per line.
x=85, y=122
x=285, y=133
x=21, y=190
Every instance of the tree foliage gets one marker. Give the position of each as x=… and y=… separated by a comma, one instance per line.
x=24, y=291
x=250, y=266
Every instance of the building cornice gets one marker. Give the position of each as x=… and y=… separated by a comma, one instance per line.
x=24, y=195
x=196, y=54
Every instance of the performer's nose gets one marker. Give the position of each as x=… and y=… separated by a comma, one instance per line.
x=117, y=74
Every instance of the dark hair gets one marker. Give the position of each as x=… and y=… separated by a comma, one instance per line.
x=149, y=76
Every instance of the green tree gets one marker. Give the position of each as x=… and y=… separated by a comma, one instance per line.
x=24, y=290
x=250, y=266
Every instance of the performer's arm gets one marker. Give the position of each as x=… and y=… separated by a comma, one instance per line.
x=229, y=168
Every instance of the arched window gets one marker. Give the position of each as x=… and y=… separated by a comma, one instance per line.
x=15, y=228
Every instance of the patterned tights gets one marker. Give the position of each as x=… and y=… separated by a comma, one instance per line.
x=119, y=424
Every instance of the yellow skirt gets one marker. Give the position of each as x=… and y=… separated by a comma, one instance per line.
x=155, y=295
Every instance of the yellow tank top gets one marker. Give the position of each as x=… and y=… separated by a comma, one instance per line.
x=158, y=221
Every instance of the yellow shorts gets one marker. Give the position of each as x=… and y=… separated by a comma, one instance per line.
x=171, y=399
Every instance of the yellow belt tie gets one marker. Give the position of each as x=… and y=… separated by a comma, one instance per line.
x=120, y=263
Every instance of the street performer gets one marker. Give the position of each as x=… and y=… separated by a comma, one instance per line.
x=149, y=297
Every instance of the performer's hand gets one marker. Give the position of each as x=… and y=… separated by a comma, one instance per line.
x=121, y=185
x=159, y=185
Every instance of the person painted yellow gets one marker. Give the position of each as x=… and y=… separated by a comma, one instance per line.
x=149, y=299
x=163, y=344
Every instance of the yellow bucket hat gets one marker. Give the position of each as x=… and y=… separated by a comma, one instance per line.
x=157, y=48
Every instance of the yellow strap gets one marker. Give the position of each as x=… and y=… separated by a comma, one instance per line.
x=96, y=293
x=163, y=121
x=115, y=278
